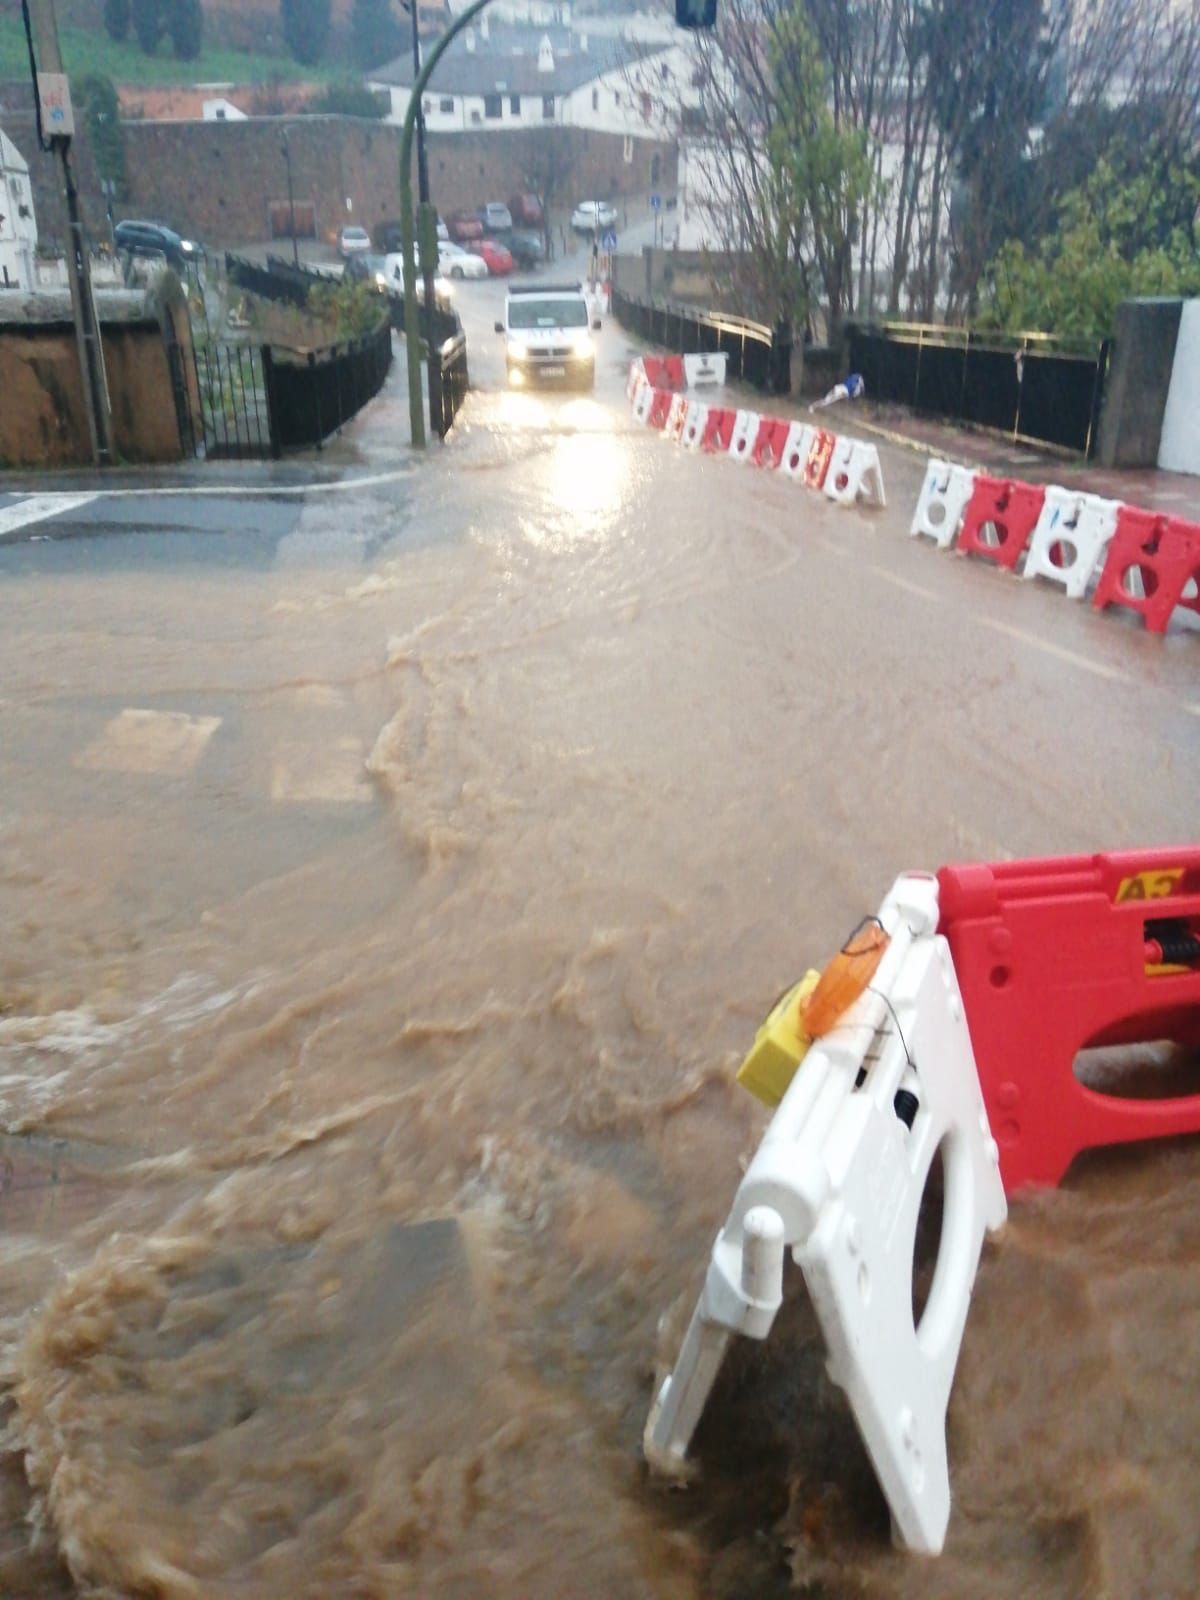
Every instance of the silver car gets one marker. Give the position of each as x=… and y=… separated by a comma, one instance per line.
x=593, y=216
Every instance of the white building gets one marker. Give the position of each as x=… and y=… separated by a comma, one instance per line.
x=498, y=77
x=18, y=225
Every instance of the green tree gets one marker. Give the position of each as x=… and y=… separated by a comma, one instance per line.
x=306, y=28
x=1113, y=241
x=820, y=174
x=116, y=19
x=99, y=110
x=185, y=24
x=375, y=32
x=147, y=23
x=349, y=98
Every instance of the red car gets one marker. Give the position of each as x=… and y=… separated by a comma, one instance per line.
x=526, y=209
x=464, y=226
x=499, y=260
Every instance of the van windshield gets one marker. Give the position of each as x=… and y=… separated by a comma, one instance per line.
x=532, y=313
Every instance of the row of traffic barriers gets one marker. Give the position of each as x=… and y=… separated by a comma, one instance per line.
x=848, y=470
x=949, y=1023
x=1143, y=560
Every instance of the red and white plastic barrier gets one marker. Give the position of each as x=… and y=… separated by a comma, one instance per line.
x=943, y=499
x=1072, y=534
x=1061, y=955
x=847, y=469
x=991, y=978
x=838, y=1180
x=1144, y=561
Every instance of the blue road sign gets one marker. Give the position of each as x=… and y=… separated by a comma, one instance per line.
x=656, y=202
x=609, y=241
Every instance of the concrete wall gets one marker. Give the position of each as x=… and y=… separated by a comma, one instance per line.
x=1179, y=449
x=43, y=422
x=1139, y=376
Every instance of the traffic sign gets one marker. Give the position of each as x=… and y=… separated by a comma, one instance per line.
x=609, y=241
x=656, y=202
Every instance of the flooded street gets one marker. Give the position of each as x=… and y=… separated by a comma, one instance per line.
x=392, y=878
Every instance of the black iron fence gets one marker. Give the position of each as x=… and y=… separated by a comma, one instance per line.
x=1031, y=387
x=245, y=401
x=758, y=354
x=313, y=392
x=449, y=392
x=285, y=282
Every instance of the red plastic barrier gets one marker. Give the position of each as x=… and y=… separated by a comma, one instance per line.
x=660, y=408
x=1057, y=956
x=820, y=453
x=718, y=430
x=1166, y=550
x=655, y=371
x=1012, y=509
x=674, y=375
x=768, y=447
x=677, y=417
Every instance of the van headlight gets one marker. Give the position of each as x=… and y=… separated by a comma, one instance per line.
x=581, y=345
x=518, y=351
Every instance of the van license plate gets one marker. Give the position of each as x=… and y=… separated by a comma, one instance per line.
x=554, y=372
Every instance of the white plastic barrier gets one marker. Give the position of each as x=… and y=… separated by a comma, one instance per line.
x=944, y=496
x=795, y=450
x=637, y=376
x=643, y=403
x=839, y=1178
x=745, y=432
x=854, y=474
x=704, y=371
x=1079, y=526
x=694, y=424
x=676, y=416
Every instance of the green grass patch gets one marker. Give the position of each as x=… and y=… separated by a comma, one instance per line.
x=84, y=51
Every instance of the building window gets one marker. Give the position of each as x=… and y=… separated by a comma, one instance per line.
x=655, y=168
x=548, y=107
x=595, y=99
x=628, y=151
x=514, y=104
x=616, y=97
x=446, y=104
x=493, y=105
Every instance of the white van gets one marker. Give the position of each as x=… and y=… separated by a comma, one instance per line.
x=547, y=332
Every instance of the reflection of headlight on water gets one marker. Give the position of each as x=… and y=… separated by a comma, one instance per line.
x=516, y=377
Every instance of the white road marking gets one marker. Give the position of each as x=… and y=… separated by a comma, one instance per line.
x=37, y=508
x=1097, y=668
x=200, y=491
x=162, y=743
x=903, y=583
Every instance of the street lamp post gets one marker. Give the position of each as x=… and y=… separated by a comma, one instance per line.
x=287, y=157
x=412, y=321
x=427, y=253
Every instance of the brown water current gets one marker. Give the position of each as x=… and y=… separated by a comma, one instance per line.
x=383, y=926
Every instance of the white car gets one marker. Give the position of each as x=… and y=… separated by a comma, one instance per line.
x=353, y=242
x=455, y=262
x=593, y=216
x=547, y=332
x=391, y=278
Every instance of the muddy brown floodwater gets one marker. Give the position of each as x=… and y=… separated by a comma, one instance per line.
x=382, y=926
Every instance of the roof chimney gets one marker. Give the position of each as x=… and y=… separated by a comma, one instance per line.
x=545, y=55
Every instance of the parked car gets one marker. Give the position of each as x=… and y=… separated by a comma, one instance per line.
x=527, y=209
x=497, y=257
x=465, y=225
x=391, y=239
x=455, y=262
x=496, y=218
x=527, y=249
x=592, y=216
x=353, y=241
x=156, y=238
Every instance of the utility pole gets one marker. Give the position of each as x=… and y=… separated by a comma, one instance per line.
x=53, y=96
x=287, y=157
x=412, y=325
x=426, y=246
